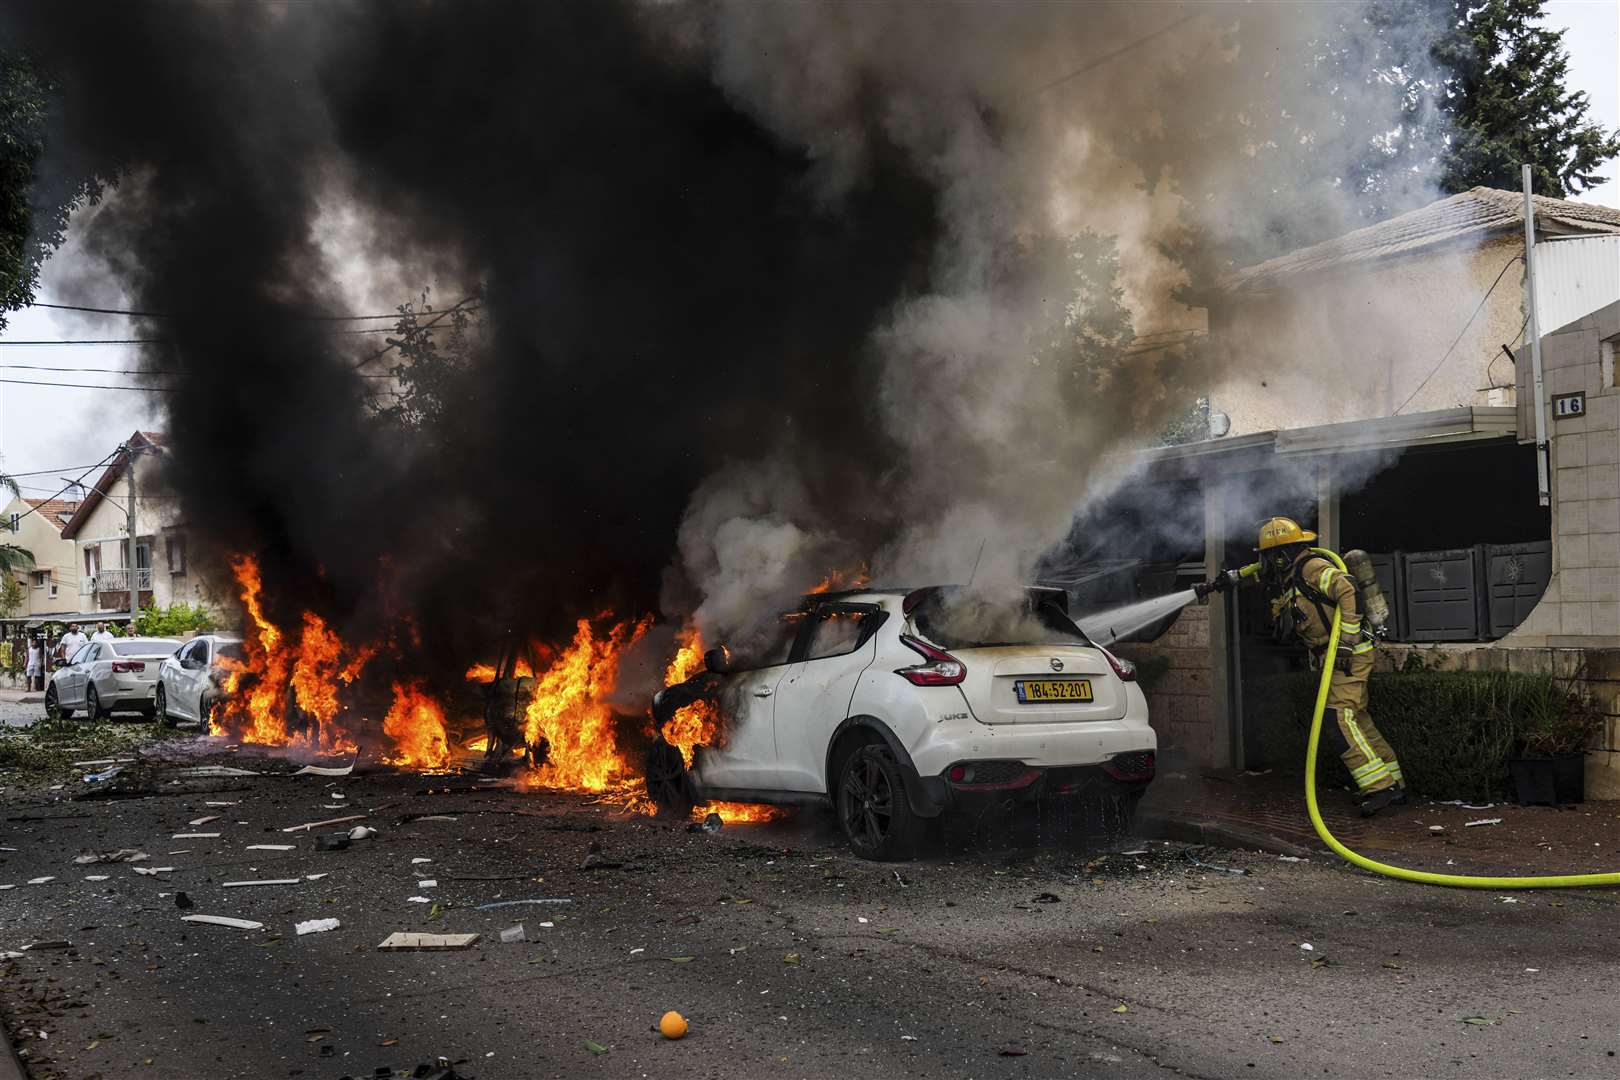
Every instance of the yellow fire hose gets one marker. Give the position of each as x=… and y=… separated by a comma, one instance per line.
x=1424, y=877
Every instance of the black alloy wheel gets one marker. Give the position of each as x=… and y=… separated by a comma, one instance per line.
x=53, y=704
x=160, y=707
x=872, y=806
x=667, y=783
x=92, y=704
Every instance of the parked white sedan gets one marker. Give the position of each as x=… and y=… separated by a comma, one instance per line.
x=189, y=681
x=108, y=676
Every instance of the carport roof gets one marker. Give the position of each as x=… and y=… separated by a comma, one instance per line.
x=1462, y=424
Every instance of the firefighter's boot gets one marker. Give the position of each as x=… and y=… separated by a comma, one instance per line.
x=1378, y=800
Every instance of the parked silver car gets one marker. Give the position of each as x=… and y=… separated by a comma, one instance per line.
x=108, y=676
x=189, y=681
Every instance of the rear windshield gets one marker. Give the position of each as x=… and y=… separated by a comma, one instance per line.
x=954, y=619
x=230, y=650
x=143, y=647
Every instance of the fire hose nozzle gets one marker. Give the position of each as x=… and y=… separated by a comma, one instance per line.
x=1221, y=582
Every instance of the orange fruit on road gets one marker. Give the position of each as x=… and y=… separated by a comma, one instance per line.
x=672, y=1024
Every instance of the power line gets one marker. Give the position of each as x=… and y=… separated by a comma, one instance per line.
x=161, y=341
x=91, y=386
x=1458, y=339
x=120, y=371
x=394, y=344
x=395, y=315
x=1108, y=56
x=72, y=484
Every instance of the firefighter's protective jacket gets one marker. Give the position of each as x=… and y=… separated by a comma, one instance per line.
x=1314, y=588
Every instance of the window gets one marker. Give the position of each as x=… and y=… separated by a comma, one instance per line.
x=41, y=578
x=16, y=522
x=195, y=653
x=954, y=619
x=176, y=553
x=92, y=560
x=839, y=632
x=53, y=587
x=143, y=554
x=85, y=655
x=137, y=647
x=766, y=643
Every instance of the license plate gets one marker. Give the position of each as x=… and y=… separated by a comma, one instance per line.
x=1041, y=691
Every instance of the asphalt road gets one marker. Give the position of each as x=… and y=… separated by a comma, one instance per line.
x=789, y=957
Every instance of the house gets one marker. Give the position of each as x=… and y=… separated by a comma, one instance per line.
x=1414, y=311
x=128, y=499
x=51, y=586
x=1410, y=435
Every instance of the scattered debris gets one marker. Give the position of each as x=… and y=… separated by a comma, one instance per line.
x=195, y=836
x=419, y=861
x=182, y=901
x=236, y=803
x=1307, y=946
x=308, y=825
x=214, y=770
x=427, y=883
x=406, y=940
x=224, y=920
x=38, y=945
x=1479, y=1021
x=315, y=877
x=1210, y=866
x=362, y=832
x=1122, y=1008
x=153, y=871
x=332, y=841
x=95, y=877
x=262, y=881
x=1483, y=821
x=672, y=1025
x=271, y=847
x=1012, y=1050
x=328, y=770
x=315, y=926
x=419, y=899
x=513, y=934
x=203, y=820
x=518, y=903
x=105, y=774
x=127, y=854
x=1437, y=828
x=1048, y=898
x=40, y=880
x=595, y=1047
x=1291, y=858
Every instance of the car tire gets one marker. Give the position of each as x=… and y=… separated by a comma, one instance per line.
x=160, y=707
x=872, y=806
x=92, y=704
x=53, y=705
x=669, y=785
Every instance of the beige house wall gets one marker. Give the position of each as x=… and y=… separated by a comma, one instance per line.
x=1180, y=699
x=37, y=535
x=156, y=517
x=1353, y=344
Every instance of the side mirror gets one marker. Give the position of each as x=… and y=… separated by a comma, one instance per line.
x=717, y=660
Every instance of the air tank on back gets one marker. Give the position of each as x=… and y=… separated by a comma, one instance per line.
x=1376, y=609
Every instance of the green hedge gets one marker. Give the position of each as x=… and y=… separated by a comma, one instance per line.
x=1453, y=731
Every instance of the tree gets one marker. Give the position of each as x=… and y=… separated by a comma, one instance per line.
x=1506, y=103
x=11, y=597
x=34, y=204
x=178, y=618
x=432, y=356
x=13, y=558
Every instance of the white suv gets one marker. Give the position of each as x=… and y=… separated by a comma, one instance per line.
x=896, y=706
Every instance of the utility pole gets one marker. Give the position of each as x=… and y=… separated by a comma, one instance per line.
x=1534, y=327
x=129, y=527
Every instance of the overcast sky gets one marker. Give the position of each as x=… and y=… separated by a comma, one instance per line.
x=51, y=434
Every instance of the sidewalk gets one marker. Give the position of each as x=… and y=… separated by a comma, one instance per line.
x=1268, y=812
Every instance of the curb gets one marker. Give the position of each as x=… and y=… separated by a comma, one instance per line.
x=1215, y=834
x=10, y=1066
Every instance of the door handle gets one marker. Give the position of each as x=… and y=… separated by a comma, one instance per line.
x=764, y=691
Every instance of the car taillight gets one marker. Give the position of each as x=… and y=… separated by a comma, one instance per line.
x=1123, y=668
x=942, y=669
x=1132, y=766
x=127, y=667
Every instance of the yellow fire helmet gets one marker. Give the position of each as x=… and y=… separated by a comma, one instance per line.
x=1278, y=531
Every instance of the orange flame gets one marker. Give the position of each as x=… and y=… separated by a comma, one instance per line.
x=416, y=724
x=568, y=709
x=696, y=724
x=839, y=580
x=275, y=668
x=485, y=673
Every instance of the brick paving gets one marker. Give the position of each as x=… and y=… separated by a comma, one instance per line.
x=1583, y=838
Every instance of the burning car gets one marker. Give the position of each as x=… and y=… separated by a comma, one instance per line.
x=192, y=681
x=897, y=707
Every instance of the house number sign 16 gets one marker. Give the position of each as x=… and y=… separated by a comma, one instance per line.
x=1569, y=406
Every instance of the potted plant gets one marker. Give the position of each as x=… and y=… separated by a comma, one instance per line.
x=1551, y=767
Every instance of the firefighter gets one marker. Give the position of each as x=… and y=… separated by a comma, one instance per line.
x=1307, y=588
